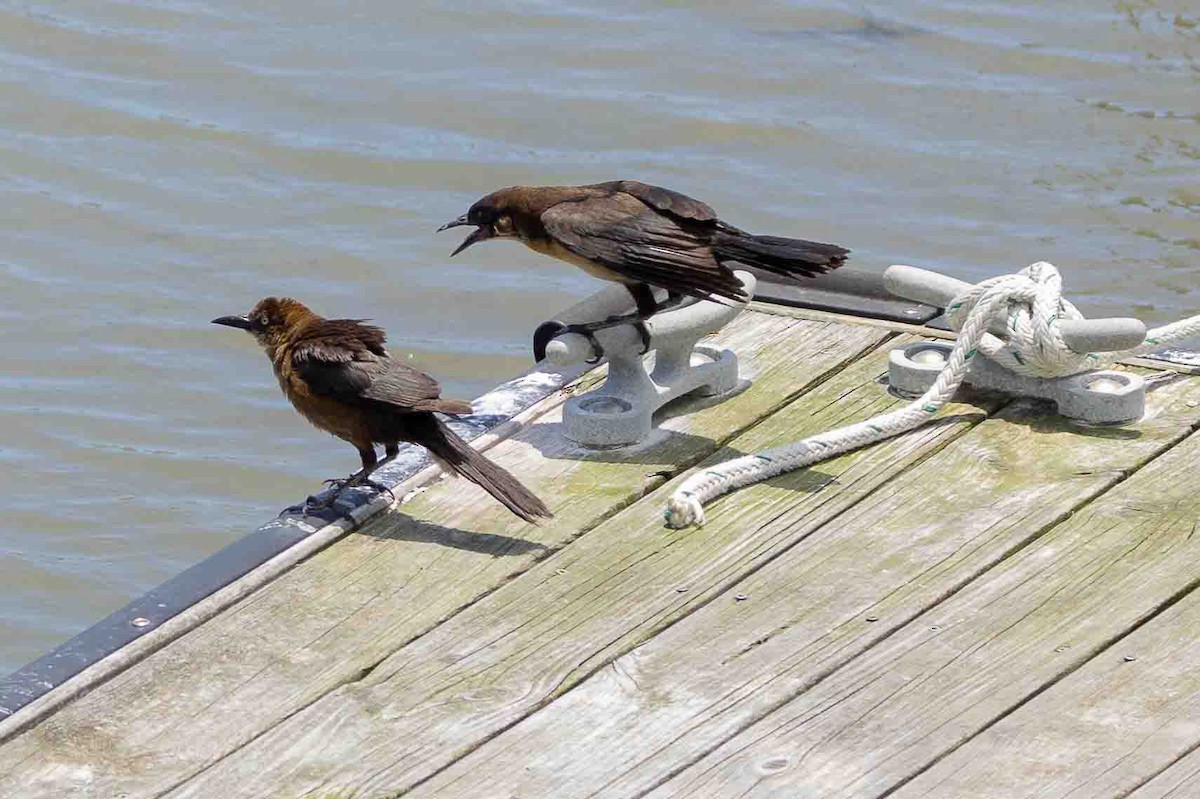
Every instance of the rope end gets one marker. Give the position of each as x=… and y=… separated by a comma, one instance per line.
x=683, y=511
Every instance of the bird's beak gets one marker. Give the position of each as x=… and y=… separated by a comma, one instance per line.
x=480, y=234
x=462, y=220
x=233, y=321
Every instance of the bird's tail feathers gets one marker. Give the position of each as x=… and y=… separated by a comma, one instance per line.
x=461, y=458
x=783, y=256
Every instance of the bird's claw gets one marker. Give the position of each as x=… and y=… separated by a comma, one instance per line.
x=380, y=487
x=310, y=504
x=644, y=332
x=548, y=331
x=337, y=486
x=545, y=333
x=588, y=332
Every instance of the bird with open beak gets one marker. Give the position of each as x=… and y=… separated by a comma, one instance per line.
x=641, y=236
x=339, y=376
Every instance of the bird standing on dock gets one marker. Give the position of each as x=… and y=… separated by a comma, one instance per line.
x=641, y=236
x=338, y=375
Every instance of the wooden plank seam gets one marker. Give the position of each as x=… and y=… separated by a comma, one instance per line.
x=1087, y=657
x=1028, y=539
x=1083, y=660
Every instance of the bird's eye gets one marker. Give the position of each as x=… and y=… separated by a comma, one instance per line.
x=261, y=321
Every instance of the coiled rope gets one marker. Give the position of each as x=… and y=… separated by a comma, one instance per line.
x=1032, y=304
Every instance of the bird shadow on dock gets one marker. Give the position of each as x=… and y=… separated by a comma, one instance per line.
x=417, y=530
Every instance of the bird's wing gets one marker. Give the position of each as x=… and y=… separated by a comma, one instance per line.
x=351, y=365
x=622, y=234
x=669, y=202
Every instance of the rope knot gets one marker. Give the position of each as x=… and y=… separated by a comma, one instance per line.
x=1026, y=307
x=1031, y=344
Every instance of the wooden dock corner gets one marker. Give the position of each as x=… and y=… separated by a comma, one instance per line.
x=999, y=604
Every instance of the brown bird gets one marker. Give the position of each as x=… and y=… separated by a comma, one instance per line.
x=338, y=375
x=641, y=236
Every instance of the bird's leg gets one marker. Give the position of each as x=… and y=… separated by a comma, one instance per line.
x=551, y=329
x=643, y=298
x=647, y=306
x=390, y=451
x=363, y=476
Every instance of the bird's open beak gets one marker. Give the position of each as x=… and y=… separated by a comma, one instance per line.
x=462, y=220
x=233, y=321
x=481, y=233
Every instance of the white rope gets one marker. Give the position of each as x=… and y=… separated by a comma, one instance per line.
x=1031, y=303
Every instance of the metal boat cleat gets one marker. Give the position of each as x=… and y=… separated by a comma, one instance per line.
x=1101, y=396
x=621, y=410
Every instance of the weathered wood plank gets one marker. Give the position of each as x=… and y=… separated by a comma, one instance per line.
x=1100, y=733
x=531, y=640
x=337, y=615
x=950, y=673
x=1134, y=708
x=1180, y=780
x=841, y=590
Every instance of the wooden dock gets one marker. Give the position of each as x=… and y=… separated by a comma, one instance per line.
x=1001, y=604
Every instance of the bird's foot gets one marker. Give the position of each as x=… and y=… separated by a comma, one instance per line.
x=548, y=331
x=545, y=333
x=356, y=480
x=337, y=486
x=308, y=506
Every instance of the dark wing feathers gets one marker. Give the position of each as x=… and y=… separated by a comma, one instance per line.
x=339, y=379
x=346, y=360
x=622, y=234
x=668, y=202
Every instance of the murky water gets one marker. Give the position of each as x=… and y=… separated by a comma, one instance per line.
x=164, y=163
